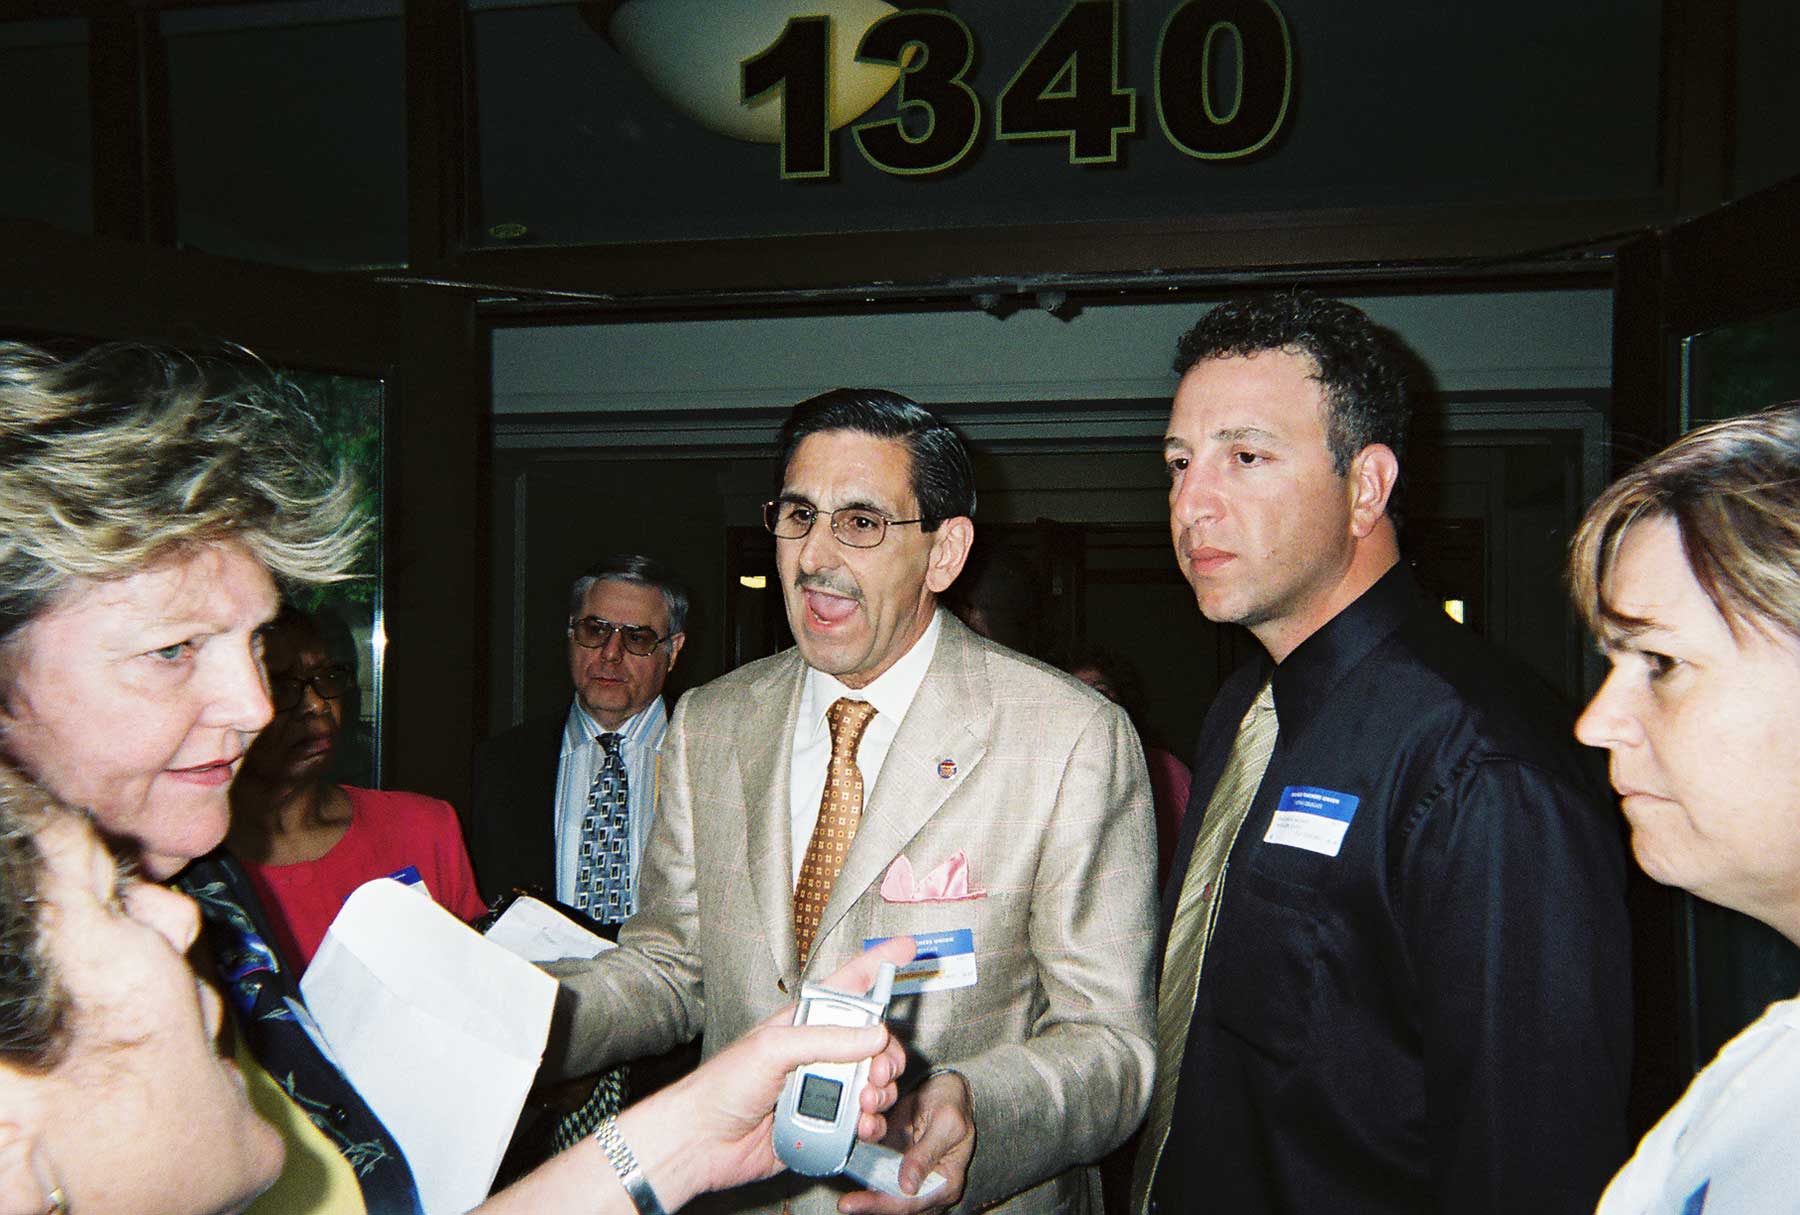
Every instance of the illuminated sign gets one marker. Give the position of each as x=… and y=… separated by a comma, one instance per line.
x=795, y=72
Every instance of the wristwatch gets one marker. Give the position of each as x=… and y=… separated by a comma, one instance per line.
x=625, y=1164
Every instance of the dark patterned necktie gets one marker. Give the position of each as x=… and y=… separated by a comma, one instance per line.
x=605, y=890
x=607, y=1098
x=257, y=985
x=604, y=885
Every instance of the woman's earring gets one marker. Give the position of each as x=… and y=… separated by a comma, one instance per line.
x=56, y=1199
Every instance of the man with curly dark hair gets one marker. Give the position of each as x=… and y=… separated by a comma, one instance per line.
x=1395, y=969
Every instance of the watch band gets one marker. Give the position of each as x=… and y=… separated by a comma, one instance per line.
x=625, y=1164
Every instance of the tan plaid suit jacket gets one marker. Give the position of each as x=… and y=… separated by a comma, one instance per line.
x=1051, y=803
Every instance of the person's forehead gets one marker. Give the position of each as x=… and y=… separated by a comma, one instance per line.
x=1652, y=581
x=76, y=864
x=625, y=602
x=296, y=651
x=70, y=844
x=836, y=468
x=1273, y=393
x=217, y=588
x=1650, y=578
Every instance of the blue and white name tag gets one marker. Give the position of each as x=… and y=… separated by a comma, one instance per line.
x=409, y=876
x=946, y=960
x=1313, y=819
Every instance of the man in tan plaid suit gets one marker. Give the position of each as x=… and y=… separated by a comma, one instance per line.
x=1016, y=799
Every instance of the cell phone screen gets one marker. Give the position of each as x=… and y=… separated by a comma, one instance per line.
x=819, y=1098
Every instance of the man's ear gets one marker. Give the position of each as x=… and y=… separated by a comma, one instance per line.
x=676, y=641
x=950, y=546
x=1373, y=473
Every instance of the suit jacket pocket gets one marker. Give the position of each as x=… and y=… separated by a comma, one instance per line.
x=1263, y=964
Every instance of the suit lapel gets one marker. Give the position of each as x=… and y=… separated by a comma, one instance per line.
x=537, y=828
x=948, y=720
x=765, y=755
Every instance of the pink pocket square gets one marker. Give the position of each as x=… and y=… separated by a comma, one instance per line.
x=948, y=883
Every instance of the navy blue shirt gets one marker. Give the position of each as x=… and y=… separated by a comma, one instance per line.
x=1438, y=1017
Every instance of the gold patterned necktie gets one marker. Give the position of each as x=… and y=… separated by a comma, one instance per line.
x=1195, y=914
x=840, y=809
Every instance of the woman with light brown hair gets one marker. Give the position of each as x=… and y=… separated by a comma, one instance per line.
x=1687, y=571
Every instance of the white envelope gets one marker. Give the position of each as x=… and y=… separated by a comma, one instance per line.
x=538, y=932
x=440, y=1031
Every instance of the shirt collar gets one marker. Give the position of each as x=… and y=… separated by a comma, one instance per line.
x=891, y=692
x=1303, y=681
x=581, y=729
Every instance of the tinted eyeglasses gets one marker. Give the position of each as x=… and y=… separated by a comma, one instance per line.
x=856, y=526
x=329, y=684
x=591, y=633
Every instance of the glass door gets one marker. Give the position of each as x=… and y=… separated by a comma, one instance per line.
x=1739, y=965
x=1740, y=367
x=350, y=410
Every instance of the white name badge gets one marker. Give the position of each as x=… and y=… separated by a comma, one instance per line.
x=1313, y=819
x=946, y=960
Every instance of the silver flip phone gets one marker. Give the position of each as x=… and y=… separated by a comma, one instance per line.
x=816, y=1116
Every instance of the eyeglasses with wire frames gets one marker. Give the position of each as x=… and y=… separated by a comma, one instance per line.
x=329, y=684
x=856, y=526
x=592, y=633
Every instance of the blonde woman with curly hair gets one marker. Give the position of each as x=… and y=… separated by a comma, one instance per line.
x=150, y=504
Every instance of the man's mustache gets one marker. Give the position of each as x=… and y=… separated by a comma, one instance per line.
x=830, y=584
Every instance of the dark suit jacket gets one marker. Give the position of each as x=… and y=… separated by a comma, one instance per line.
x=511, y=829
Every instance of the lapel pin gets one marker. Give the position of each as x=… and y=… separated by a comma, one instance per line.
x=946, y=769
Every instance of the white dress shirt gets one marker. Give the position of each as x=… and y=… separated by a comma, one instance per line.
x=891, y=693
x=640, y=745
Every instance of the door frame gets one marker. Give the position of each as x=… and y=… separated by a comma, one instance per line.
x=1714, y=270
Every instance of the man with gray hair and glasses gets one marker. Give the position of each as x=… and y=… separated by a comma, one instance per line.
x=563, y=802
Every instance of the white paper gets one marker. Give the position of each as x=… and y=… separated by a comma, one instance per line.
x=538, y=932
x=1313, y=832
x=440, y=1030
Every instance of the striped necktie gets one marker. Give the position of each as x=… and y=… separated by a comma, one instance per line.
x=1195, y=914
